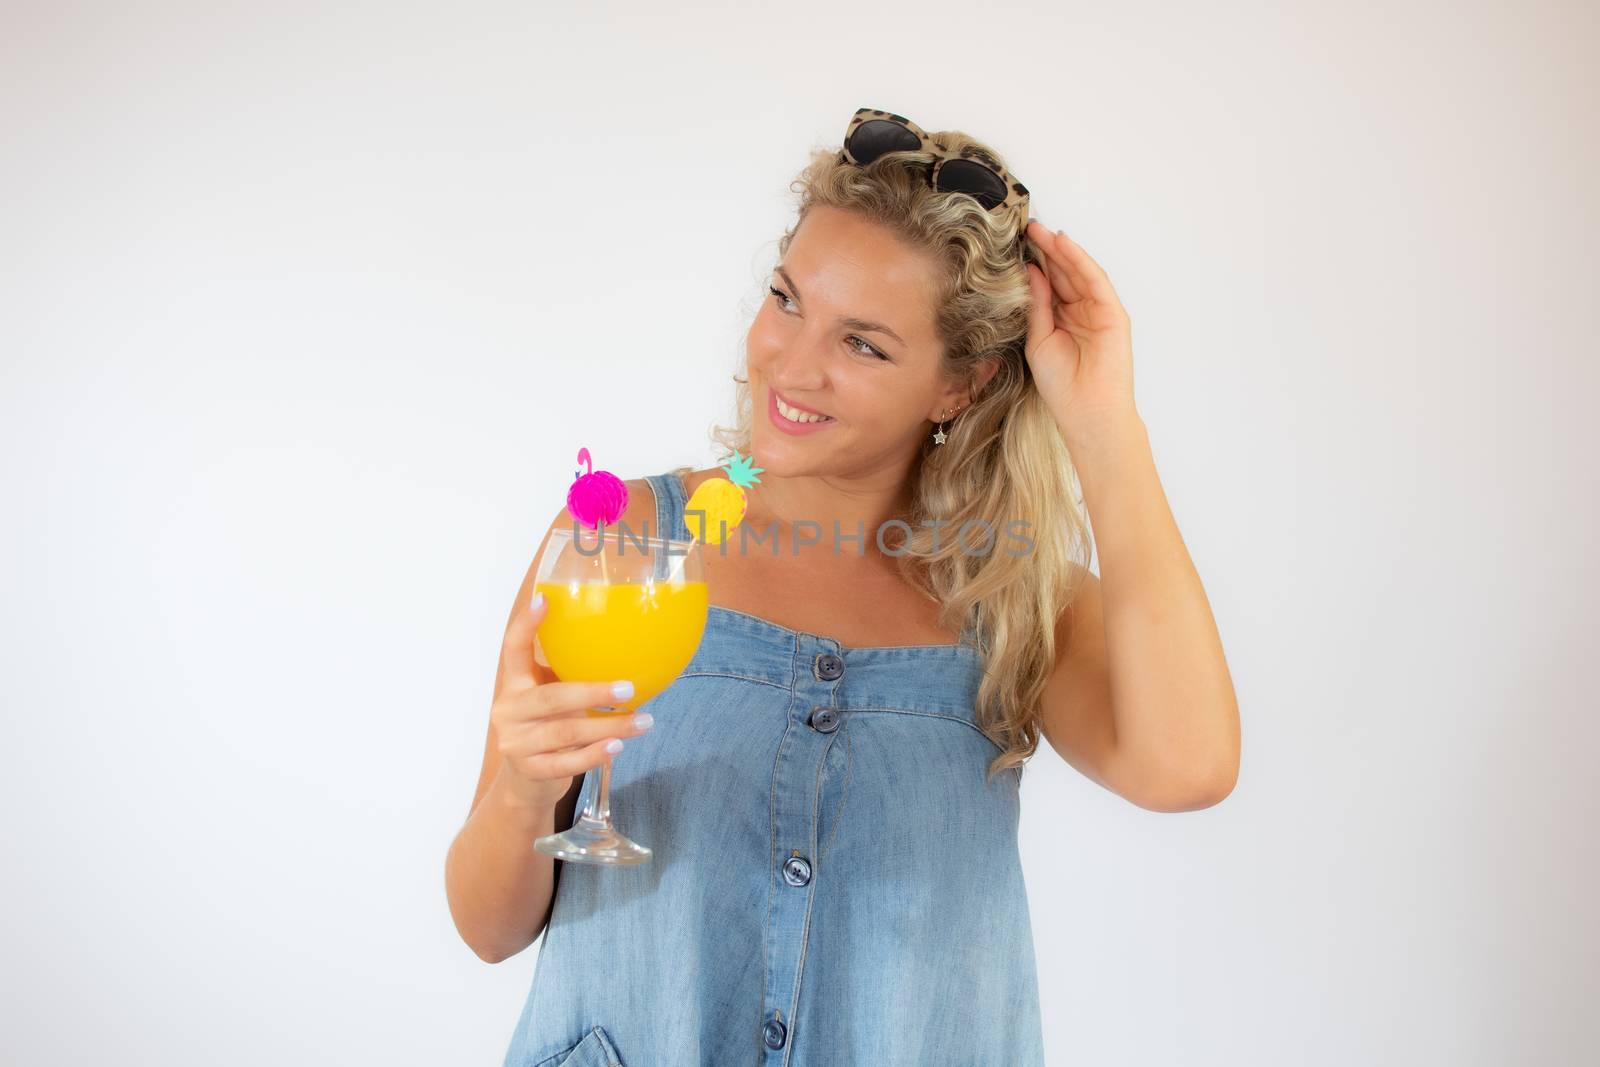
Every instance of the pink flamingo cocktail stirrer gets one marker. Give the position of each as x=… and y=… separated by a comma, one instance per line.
x=595, y=499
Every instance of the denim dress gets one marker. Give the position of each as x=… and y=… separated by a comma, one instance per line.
x=832, y=882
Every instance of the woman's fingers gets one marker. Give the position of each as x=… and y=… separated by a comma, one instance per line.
x=1074, y=272
x=540, y=725
x=516, y=648
x=560, y=766
x=545, y=736
x=1055, y=263
x=553, y=700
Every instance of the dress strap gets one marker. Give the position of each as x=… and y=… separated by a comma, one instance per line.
x=670, y=502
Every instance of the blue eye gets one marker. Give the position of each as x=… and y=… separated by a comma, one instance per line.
x=870, y=350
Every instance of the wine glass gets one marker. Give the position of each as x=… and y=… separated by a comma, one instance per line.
x=620, y=607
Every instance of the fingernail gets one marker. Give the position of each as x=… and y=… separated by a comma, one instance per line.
x=622, y=690
x=536, y=602
x=614, y=745
x=643, y=720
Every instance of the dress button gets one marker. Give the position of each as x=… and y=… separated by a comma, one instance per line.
x=796, y=871
x=774, y=1033
x=824, y=720
x=828, y=667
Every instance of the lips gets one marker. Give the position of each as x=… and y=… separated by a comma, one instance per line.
x=785, y=426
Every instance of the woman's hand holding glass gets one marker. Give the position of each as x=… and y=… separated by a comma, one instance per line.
x=545, y=734
x=620, y=607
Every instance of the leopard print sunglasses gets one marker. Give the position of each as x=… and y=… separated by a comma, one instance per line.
x=872, y=133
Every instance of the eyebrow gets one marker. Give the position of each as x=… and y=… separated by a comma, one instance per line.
x=853, y=323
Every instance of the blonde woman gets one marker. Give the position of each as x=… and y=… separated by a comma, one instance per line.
x=832, y=789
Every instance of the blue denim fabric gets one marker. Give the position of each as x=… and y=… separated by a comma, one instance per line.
x=828, y=887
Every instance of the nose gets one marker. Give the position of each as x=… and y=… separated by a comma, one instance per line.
x=800, y=368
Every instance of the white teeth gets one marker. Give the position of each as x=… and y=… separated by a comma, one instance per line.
x=795, y=415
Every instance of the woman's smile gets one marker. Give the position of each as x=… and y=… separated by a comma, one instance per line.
x=793, y=419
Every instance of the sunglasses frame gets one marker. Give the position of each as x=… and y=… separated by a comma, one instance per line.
x=1016, y=193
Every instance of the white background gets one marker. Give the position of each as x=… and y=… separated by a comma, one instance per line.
x=305, y=309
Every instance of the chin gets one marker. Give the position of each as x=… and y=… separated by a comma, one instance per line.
x=776, y=455
x=777, y=460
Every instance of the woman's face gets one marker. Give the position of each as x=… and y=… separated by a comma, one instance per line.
x=849, y=333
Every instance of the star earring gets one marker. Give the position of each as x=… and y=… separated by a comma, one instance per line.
x=939, y=434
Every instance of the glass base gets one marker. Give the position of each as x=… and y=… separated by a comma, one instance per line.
x=592, y=841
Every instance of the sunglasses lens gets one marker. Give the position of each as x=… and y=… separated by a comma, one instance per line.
x=874, y=137
x=974, y=179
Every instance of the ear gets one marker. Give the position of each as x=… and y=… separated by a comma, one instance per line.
x=960, y=397
x=986, y=369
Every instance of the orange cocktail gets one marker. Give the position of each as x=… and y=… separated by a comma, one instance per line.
x=644, y=631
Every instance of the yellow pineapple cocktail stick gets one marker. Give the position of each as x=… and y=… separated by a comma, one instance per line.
x=719, y=504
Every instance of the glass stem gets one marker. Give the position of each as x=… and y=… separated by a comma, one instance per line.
x=599, y=807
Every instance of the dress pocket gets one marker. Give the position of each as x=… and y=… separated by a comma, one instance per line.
x=595, y=1050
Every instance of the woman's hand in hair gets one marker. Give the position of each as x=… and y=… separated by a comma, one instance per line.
x=1080, y=339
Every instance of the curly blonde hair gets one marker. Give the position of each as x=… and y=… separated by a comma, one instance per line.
x=1004, y=458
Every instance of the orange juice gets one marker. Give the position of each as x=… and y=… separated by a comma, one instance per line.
x=645, y=632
